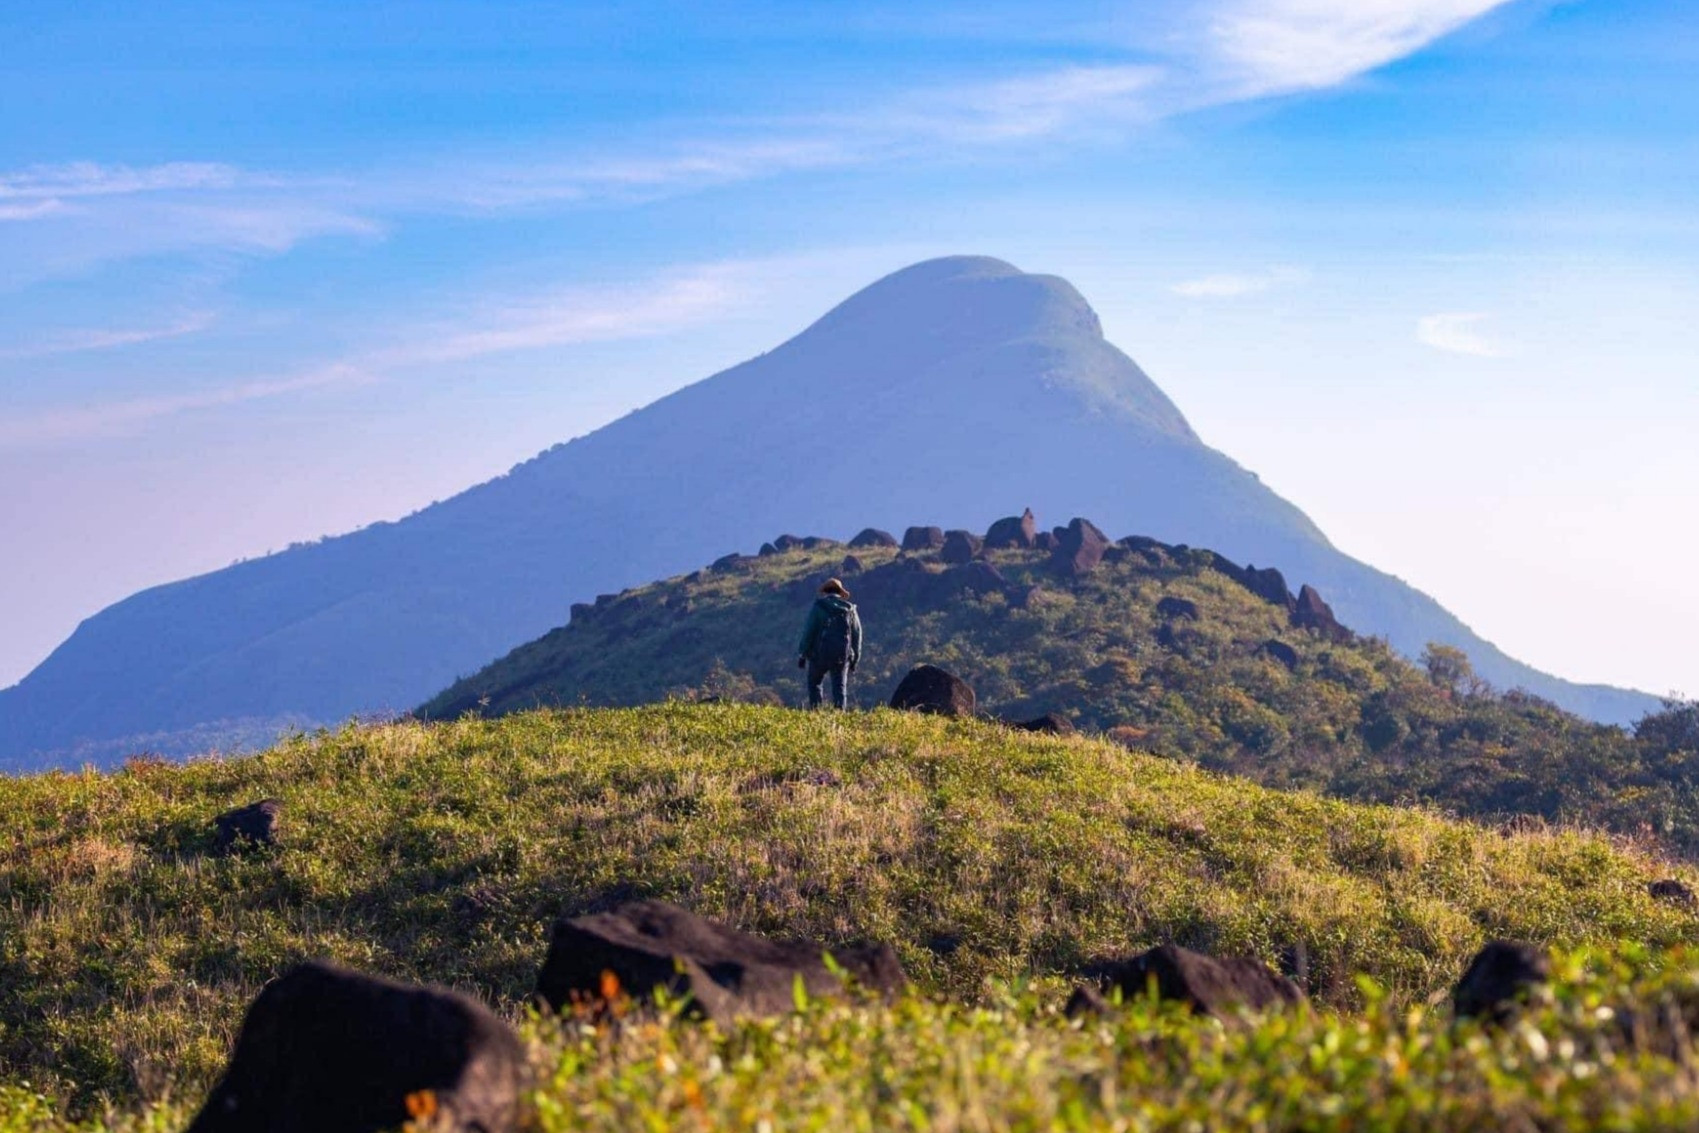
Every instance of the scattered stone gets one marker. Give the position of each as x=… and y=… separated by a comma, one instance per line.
x=872, y=537
x=1172, y=607
x=1079, y=548
x=1210, y=986
x=725, y=564
x=651, y=945
x=959, y=547
x=1279, y=651
x=254, y=824
x=976, y=577
x=1051, y=724
x=1500, y=977
x=1673, y=891
x=928, y=688
x=1020, y=531
x=923, y=538
x=324, y=1050
x=1313, y=614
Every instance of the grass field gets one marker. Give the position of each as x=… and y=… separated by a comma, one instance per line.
x=995, y=861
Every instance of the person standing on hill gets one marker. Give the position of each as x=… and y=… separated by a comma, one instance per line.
x=831, y=643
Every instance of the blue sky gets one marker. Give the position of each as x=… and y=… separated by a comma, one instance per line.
x=1430, y=267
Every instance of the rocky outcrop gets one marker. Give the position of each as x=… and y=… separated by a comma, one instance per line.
x=959, y=546
x=1209, y=986
x=977, y=577
x=1499, y=979
x=729, y=564
x=871, y=538
x=1276, y=650
x=648, y=946
x=251, y=825
x=1017, y=531
x=850, y=565
x=324, y=1050
x=1173, y=607
x=1311, y=613
x=1079, y=548
x=923, y=538
x=1673, y=892
x=1049, y=724
x=928, y=688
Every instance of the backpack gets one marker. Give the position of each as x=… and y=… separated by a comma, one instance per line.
x=832, y=644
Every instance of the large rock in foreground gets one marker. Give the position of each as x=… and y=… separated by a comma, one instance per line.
x=1499, y=979
x=726, y=974
x=927, y=688
x=1210, y=986
x=324, y=1050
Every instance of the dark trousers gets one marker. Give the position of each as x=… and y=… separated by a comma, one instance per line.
x=818, y=671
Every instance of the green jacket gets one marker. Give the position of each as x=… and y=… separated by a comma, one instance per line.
x=819, y=615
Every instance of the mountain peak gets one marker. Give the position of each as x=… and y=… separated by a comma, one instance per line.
x=974, y=297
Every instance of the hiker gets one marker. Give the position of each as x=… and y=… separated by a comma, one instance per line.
x=831, y=643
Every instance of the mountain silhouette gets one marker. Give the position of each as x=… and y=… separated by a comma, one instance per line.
x=957, y=389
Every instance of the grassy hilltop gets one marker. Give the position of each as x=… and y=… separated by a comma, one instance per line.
x=1160, y=647
x=996, y=861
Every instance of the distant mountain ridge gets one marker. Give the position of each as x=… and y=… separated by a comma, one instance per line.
x=946, y=390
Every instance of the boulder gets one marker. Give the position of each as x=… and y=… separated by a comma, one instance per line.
x=578, y=611
x=324, y=1050
x=1051, y=723
x=959, y=546
x=1045, y=541
x=1208, y=985
x=254, y=824
x=1172, y=607
x=850, y=565
x=928, y=688
x=767, y=551
x=1278, y=650
x=788, y=543
x=976, y=577
x=1020, y=531
x=1500, y=977
x=651, y=945
x=1672, y=891
x=923, y=538
x=872, y=537
x=1311, y=613
x=817, y=542
x=727, y=564
x=1079, y=548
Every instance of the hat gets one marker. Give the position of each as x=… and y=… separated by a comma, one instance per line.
x=833, y=586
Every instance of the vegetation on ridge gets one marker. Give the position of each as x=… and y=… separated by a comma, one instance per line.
x=989, y=857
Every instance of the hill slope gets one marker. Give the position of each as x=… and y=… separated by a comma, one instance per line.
x=442, y=853
x=1173, y=649
x=950, y=387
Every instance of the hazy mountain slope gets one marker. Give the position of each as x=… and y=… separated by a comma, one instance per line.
x=956, y=389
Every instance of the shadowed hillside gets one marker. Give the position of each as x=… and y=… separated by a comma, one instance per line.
x=1174, y=649
x=939, y=393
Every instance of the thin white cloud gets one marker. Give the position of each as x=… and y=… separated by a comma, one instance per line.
x=91, y=179
x=32, y=210
x=1455, y=333
x=669, y=302
x=77, y=341
x=1280, y=45
x=1232, y=286
x=128, y=415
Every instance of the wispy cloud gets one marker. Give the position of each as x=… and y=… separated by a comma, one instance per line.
x=127, y=415
x=1455, y=333
x=664, y=304
x=1232, y=286
x=1279, y=45
x=76, y=341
